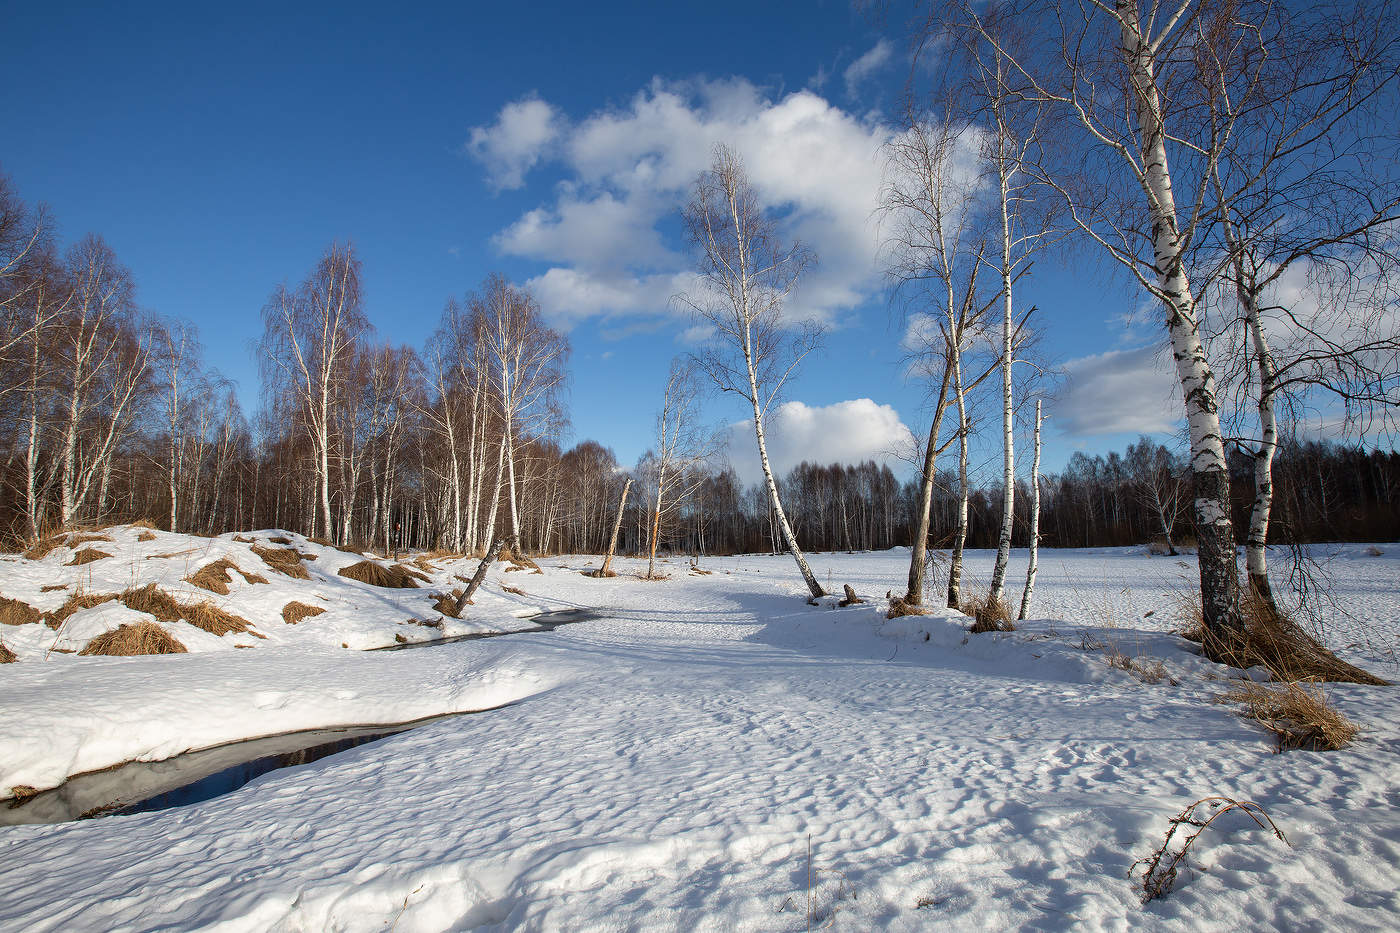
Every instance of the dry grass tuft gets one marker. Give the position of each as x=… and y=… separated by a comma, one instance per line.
x=128, y=640
x=6, y=655
x=216, y=577
x=599, y=574
x=76, y=603
x=283, y=560
x=142, y=523
x=988, y=615
x=899, y=608
x=154, y=601
x=15, y=612
x=343, y=548
x=52, y=587
x=294, y=612
x=214, y=620
x=279, y=539
x=145, y=536
x=86, y=556
x=1374, y=551
x=395, y=576
x=446, y=603
x=1149, y=673
x=1275, y=641
x=42, y=547
x=1297, y=714
x=511, y=589
x=520, y=561
x=87, y=538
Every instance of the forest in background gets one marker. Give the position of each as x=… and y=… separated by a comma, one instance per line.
x=108, y=414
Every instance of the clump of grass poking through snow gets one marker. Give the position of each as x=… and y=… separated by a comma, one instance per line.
x=294, y=612
x=1298, y=715
x=283, y=560
x=395, y=576
x=216, y=577
x=154, y=601
x=1275, y=641
x=86, y=556
x=6, y=655
x=1161, y=867
x=129, y=640
x=15, y=612
x=988, y=615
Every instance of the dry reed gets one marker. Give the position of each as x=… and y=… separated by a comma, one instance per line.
x=988, y=615
x=1298, y=715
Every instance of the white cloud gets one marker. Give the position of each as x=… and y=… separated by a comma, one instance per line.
x=1118, y=392
x=867, y=65
x=516, y=142
x=847, y=432
x=629, y=170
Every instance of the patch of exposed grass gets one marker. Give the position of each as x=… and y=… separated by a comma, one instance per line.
x=86, y=556
x=1272, y=640
x=446, y=603
x=17, y=612
x=46, y=544
x=294, y=612
x=142, y=523
x=1149, y=672
x=511, y=589
x=52, y=587
x=343, y=548
x=1299, y=715
x=988, y=615
x=283, y=560
x=216, y=577
x=154, y=601
x=75, y=603
x=134, y=639
x=87, y=538
x=145, y=536
x=6, y=655
x=395, y=576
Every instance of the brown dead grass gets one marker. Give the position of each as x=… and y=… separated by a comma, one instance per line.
x=154, y=601
x=446, y=603
x=511, y=589
x=129, y=640
x=87, y=538
x=395, y=576
x=988, y=615
x=518, y=560
x=217, y=576
x=41, y=548
x=899, y=608
x=283, y=560
x=294, y=612
x=75, y=603
x=343, y=548
x=143, y=523
x=16, y=612
x=6, y=655
x=1299, y=715
x=279, y=539
x=87, y=556
x=1275, y=641
x=52, y=587
x=145, y=536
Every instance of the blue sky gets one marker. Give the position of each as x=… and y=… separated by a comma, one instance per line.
x=220, y=150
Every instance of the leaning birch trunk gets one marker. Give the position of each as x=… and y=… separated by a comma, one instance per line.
x=789, y=538
x=955, y=562
x=492, y=553
x=923, y=518
x=606, y=570
x=1008, y=496
x=1220, y=588
x=1035, y=521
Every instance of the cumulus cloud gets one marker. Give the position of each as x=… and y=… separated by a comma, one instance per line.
x=629, y=169
x=847, y=432
x=516, y=142
x=1119, y=392
x=867, y=65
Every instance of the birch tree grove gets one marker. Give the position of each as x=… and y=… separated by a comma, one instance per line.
x=747, y=273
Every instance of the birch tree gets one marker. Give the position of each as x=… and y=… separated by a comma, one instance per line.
x=747, y=273
x=674, y=466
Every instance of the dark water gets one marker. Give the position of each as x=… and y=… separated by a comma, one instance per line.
x=142, y=786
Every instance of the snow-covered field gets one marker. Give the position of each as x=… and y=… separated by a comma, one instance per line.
x=711, y=754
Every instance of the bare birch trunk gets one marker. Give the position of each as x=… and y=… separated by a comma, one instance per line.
x=617, y=526
x=918, y=551
x=1008, y=496
x=955, y=562
x=1035, y=521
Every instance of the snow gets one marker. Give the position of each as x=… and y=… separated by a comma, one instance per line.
x=672, y=764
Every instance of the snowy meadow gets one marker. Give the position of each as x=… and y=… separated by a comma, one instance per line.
x=708, y=752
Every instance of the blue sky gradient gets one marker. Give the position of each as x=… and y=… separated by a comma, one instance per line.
x=219, y=150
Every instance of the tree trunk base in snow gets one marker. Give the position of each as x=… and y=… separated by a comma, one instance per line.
x=851, y=597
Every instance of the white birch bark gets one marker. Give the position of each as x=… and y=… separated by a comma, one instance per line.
x=1035, y=522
